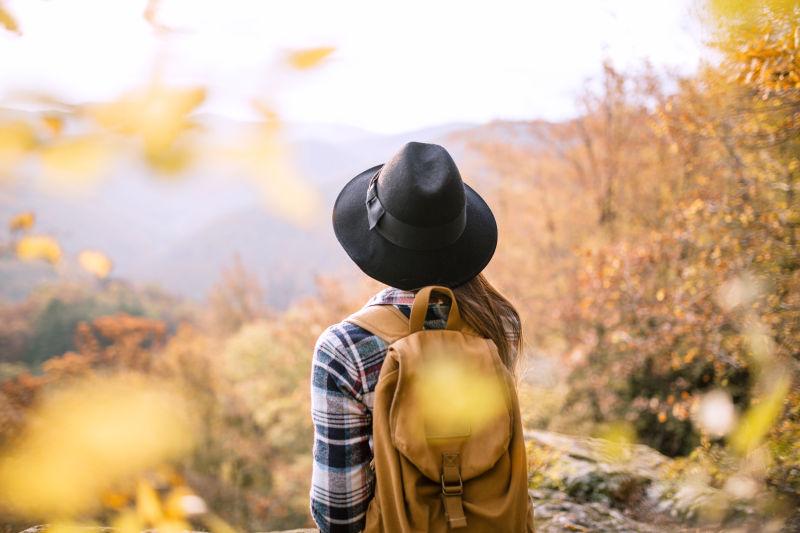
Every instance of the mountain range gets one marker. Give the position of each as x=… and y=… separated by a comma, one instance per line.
x=179, y=233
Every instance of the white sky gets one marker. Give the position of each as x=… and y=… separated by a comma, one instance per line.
x=398, y=65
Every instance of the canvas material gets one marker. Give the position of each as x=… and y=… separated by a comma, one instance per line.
x=408, y=459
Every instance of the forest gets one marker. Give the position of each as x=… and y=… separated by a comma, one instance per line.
x=650, y=245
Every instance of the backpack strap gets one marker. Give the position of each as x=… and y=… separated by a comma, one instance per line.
x=384, y=320
x=387, y=322
x=452, y=490
x=420, y=309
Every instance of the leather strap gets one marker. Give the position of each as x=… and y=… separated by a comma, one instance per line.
x=452, y=490
x=385, y=321
x=420, y=309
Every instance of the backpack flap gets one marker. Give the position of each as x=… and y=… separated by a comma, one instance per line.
x=451, y=398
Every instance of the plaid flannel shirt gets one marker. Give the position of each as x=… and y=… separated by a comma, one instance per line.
x=347, y=362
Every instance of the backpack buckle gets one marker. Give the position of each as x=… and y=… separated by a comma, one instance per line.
x=452, y=490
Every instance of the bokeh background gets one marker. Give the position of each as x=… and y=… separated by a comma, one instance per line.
x=167, y=172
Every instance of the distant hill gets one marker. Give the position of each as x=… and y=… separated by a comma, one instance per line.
x=179, y=233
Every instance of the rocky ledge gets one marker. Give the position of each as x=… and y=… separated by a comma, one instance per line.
x=583, y=484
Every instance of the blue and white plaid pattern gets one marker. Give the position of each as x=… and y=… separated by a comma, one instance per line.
x=347, y=362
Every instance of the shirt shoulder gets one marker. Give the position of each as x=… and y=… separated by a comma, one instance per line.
x=344, y=338
x=353, y=354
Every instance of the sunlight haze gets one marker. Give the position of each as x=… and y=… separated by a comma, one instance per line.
x=397, y=66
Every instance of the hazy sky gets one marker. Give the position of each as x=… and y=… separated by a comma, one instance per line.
x=397, y=66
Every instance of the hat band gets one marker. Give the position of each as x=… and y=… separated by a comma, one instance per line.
x=406, y=235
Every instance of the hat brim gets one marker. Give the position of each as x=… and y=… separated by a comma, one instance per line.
x=408, y=269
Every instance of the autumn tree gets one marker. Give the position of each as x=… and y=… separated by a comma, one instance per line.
x=236, y=299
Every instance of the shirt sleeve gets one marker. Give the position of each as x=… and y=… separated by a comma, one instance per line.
x=342, y=482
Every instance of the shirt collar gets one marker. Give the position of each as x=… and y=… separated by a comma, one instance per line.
x=390, y=295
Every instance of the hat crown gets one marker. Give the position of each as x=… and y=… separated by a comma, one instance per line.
x=421, y=185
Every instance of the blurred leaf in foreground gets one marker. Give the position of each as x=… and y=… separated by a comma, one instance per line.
x=89, y=437
x=284, y=190
x=157, y=115
x=148, y=504
x=8, y=21
x=151, y=16
x=22, y=221
x=454, y=394
x=53, y=123
x=96, y=263
x=617, y=440
x=759, y=418
x=16, y=139
x=267, y=159
x=309, y=58
x=40, y=247
x=171, y=160
x=77, y=160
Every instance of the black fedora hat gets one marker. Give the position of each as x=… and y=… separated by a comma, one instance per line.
x=413, y=222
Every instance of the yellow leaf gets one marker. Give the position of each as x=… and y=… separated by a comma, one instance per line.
x=455, y=395
x=288, y=194
x=39, y=247
x=22, y=221
x=128, y=521
x=172, y=526
x=151, y=16
x=170, y=160
x=759, y=418
x=16, y=139
x=8, y=21
x=108, y=430
x=53, y=123
x=157, y=115
x=115, y=499
x=148, y=505
x=309, y=58
x=216, y=524
x=660, y=294
x=96, y=263
x=76, y=160
x=267, y=159
x=617, y=440
x=271, y=120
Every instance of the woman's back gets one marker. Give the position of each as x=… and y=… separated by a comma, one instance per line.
x=409, y=223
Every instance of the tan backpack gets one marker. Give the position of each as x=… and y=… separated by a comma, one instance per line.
x=435, y=472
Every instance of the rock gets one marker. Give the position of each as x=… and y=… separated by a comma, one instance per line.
x=583, y=484
x=555, y=512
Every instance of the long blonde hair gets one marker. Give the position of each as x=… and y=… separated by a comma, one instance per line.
x=490, y=314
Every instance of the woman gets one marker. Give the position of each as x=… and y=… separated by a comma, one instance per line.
x=409, y=223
